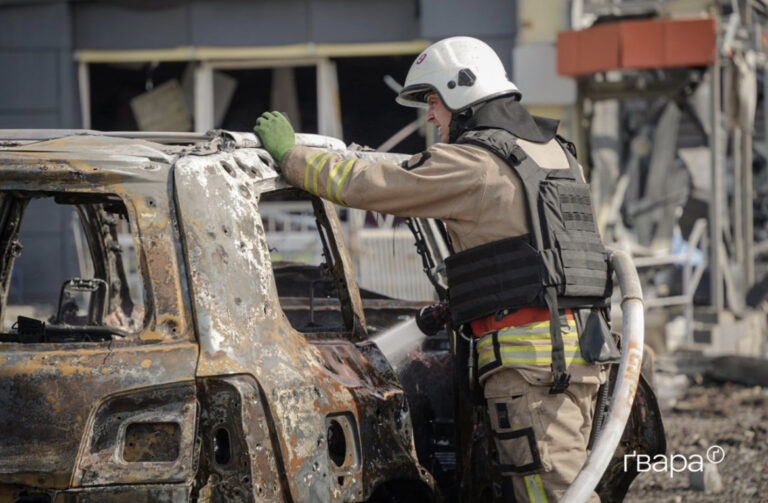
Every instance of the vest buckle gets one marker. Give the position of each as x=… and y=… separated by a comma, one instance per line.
x=560, y=382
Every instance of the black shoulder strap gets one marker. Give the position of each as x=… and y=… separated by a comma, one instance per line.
x=568, y=145
x=570, y=153
x=531, y=175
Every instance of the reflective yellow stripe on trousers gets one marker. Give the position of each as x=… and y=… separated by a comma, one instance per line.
x=530, y=344
x=535, y=489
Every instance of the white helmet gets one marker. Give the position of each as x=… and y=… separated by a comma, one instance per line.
x=464, y=71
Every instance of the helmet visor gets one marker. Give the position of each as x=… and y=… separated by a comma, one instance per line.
x=415, y=95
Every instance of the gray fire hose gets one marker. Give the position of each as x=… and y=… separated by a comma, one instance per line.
x=626, y=383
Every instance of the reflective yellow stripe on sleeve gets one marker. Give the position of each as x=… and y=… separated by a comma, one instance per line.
x=344, y=173
x=308, y=169
x=540, y=488
x=335, y=181
x=316, y=173
x=312, y=171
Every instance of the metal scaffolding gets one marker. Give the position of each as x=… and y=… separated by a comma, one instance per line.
x=728, y=127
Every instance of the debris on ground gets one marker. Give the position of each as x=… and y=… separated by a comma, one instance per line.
x=707, y=479
x=701, y=416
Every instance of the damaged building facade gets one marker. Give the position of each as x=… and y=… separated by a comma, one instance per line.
x=73, y=64
x=198, y=65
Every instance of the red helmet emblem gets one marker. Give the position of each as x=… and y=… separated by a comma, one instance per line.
x=421, y=58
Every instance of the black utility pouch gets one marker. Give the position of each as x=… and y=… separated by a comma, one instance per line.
x=595, y=338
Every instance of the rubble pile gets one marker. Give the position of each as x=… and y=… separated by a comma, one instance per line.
x=702, y=415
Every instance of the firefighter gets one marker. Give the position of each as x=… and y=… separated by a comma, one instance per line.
x=529, y=278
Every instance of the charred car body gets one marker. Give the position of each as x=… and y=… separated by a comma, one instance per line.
x=189, y=357
x=205, y=382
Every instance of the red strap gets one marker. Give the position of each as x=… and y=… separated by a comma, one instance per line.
x=522, y=316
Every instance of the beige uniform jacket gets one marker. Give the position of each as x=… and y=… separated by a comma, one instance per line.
x=474, y=192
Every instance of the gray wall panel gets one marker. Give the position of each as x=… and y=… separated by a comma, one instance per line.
x=36, y=51
x=231, y=23
x=35, y=120
x=34, y=26
x=69, y=99
x=69, y=94
x=364, y=21
x=479, y=18
x=492, y=21
x=37, y=36
x=4, y=3
x=99, y=26
x=34, y=82
x=48, y=258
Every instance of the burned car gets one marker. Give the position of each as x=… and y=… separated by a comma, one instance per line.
x=169, y=355
x=179, y=324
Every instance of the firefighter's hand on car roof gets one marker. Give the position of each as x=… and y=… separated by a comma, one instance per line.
x=276, y=133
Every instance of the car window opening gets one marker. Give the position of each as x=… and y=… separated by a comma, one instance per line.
x=69, y=269
x=304, y=263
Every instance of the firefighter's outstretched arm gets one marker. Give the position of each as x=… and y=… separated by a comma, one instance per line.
x=434, y=184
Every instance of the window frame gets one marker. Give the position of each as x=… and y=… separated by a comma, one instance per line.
x=337, y=263
x=106, y=257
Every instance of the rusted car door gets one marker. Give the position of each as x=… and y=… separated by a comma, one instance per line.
x=320, y=420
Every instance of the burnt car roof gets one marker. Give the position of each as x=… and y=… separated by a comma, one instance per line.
x=113, y=156
x=137, y=142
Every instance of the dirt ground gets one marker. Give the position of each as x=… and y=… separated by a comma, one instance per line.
x=698, y=416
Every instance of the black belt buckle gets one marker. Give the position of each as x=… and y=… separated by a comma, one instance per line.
x=560, y=382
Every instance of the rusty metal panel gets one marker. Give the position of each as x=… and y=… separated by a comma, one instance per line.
x=242, y=329
x=104, y=456
x=138, y=172
x=343, y=263
x=240, y=325
x=152, y=493
x=99, y=412
x=49, y=391
x=238, y=462
x=228, y=261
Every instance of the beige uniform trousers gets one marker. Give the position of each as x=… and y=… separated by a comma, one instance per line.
x=541, y=438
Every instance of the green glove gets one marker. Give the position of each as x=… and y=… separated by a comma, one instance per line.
x=276, y=133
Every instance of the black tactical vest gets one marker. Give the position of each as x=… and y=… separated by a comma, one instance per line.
x=561, y=263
